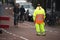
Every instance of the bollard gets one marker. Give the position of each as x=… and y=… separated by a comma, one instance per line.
x=4, y=22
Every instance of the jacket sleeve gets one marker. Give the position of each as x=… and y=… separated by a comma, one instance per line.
x=34, y=15
x=44, y=13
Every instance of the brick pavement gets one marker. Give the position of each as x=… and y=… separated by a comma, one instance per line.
x=27, y=30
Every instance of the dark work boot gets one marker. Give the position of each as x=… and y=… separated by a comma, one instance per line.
x=43, y=34
x=38, y=34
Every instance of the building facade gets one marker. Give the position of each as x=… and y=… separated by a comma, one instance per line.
x=7, y=1
x=53, y=4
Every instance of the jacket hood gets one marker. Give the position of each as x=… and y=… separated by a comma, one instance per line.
x=38, y=8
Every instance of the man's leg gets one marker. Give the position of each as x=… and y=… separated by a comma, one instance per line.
x=23, y=18
x=42, y=28
x=17, y=19
x=14, y=19
x=37, y=29
x=20, y=18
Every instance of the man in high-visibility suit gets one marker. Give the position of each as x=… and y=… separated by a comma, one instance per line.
x=38, y=17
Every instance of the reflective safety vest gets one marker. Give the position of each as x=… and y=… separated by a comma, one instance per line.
x=39, y=18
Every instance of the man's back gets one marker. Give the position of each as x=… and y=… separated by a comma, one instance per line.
x=22, y=10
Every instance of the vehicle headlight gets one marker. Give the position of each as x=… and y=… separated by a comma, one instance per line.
x=29, y=14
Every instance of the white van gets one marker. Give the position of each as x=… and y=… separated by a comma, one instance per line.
x=27, y=6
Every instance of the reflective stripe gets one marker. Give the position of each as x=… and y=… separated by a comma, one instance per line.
x=40, y=18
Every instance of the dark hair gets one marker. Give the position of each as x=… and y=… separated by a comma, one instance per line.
x=22, y=6
x=38, y=4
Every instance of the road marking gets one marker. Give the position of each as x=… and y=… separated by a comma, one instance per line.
x=7, y=32
x=23, y=38
x=10, y=33
x=56, y=31
x=15, y=35
x=10, y=8
x=6, y=8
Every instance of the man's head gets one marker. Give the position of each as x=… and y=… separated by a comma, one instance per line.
x=17, y=5
x=22, y=6
x=38, y=4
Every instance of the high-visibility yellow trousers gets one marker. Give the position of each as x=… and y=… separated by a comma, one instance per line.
x=40, y=28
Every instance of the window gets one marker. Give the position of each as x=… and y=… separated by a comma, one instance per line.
x=26, y=6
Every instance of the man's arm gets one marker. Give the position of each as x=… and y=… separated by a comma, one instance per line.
x=34, y=15
x=44, y=14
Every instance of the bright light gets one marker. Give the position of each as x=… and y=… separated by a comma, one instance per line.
x=20, y=1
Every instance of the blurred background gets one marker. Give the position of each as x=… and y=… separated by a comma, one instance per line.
x=51, y=7
x=26, y=29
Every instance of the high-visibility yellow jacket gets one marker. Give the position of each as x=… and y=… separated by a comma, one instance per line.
x=38, y=11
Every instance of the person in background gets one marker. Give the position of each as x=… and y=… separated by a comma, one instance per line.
x=16, y=13
x=22, y=12
x=27, y=13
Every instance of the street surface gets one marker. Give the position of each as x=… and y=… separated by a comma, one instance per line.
x=26, y=30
